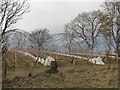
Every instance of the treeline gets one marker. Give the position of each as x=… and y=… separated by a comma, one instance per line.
x=95, y=26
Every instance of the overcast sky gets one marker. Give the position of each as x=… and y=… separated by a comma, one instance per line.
x=54, y=15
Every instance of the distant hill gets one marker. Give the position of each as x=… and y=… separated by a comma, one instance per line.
x=56, y=43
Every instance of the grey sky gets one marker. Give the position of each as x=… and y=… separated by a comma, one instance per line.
x=53, y=15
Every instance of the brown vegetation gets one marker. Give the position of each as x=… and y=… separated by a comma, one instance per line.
x=82, y=75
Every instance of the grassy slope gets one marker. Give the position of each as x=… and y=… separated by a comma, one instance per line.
x=83, y=74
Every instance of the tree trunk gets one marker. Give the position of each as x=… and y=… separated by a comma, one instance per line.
x=74, y=62
x=31, y=70
x=4, y=68
x=0, y=71
x=15, y=60
x=118, y=41
x=118, y=33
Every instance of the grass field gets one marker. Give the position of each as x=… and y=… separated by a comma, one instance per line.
x=83, y=74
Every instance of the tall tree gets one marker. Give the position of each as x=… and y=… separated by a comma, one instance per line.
x=10, y=13
x=112, y=10
x=87, y=26
x=69, y=36
x=111, y=26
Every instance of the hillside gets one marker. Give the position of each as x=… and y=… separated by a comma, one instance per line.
x=83, y=74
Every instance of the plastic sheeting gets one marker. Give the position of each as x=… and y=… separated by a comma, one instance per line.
x=48, y=61
x=97, y=60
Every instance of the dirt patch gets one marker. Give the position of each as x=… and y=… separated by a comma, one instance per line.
x=42, y=79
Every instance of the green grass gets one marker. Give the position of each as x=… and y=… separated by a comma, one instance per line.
x=23, y=64
x=62, y=63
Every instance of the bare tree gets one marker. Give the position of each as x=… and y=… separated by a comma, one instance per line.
x=19, y=39
x=10, y=12
x=106, y=34
x=69, y=36
x=112, y=10
x=87, y=27
x=110, y=28
x=39, y=37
